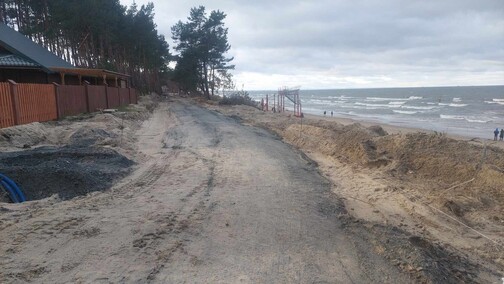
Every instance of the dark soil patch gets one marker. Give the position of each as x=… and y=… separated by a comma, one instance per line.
x=424, y=261
x=67, y=171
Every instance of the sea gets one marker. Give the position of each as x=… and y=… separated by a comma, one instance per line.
x=464, y=111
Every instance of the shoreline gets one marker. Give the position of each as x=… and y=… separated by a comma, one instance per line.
x=394, y=129
x=469, y=113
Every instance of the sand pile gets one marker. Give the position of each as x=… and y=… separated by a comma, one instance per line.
x=437, y=162
x=74, y=156
x=433, y=159
x=23, y=136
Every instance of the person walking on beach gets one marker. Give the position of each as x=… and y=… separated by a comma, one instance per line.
x=496, y=133
x=501, y=136
x=324, y=112
x=331, y=113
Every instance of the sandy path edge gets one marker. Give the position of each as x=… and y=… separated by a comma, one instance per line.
x=371, y=195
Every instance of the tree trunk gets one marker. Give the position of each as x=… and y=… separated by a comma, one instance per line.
x=212, y=79
x=205, y=81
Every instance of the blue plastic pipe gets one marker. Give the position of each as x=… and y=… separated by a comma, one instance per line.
x=16, y=193
x=12, y=194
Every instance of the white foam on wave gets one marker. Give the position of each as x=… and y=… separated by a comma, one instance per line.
x=405, y=111
x=477, y=120
x=325, y=103
x=498, y=100
x=393, y=106
x=452, y=105
x=342, y=97
x=378, y=99
x=419, y=107
x=360, y=107
x=495, y=101
x=466, y=118
x=457, y=100
x=319, y=102
x=378, y=105
x=446, y=116
x=381, y=99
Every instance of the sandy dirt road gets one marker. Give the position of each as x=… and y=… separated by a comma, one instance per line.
x=212, y=201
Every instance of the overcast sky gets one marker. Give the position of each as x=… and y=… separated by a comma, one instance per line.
x=356, y=43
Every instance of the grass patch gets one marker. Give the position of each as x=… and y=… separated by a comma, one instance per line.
x=238, y=98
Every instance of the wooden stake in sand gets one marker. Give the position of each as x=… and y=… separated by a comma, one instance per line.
x=467, y=181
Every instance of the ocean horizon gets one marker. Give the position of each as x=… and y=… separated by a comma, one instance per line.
x=470, y=111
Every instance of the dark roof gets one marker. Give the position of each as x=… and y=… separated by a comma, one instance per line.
x=91, y=72
x=11, y=60
x=19, y=45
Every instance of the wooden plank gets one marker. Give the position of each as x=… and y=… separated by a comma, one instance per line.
x=36, y=103
x=71, y=100
x=97, y=98
x=124, y=96
x=113, y=97
x=6, y=114
x=133, y=96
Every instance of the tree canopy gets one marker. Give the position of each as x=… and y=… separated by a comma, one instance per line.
x=95, y=34
x=105, y=34
x=202, y=43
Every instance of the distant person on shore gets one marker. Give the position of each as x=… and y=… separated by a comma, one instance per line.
x=331, y=113
x=325, y=114
x=501, y=134
x=496, y=133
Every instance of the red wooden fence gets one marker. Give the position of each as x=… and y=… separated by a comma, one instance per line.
x=97, y=97
x=35, y=102
x=113, y=97
x=124, y=99
x=133, y=96
x=25, y=103
x=6, y=115
x=71, y=100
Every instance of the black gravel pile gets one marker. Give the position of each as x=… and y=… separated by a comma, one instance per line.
x=67, y=171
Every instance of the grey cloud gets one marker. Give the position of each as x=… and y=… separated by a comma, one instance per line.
x=359, y=38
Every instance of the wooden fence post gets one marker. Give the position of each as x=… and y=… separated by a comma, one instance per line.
x=121, y=103
x=86, y=91
x=106, y=94
x=14, y=101
x=58, y=102
x=129, y=98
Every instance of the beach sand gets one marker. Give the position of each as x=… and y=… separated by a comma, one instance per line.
x=393, y=129
x=445, y=188
x=206, y=191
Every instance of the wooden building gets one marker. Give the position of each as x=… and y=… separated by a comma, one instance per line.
x=24, y=61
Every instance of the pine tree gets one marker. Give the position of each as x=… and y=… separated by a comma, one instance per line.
x=94, y=34
x=202, y=44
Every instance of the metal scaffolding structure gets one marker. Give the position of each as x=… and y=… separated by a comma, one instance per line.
x=292, y=94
